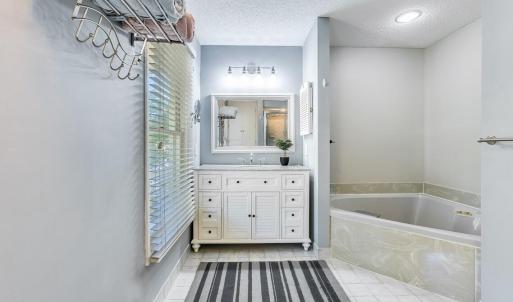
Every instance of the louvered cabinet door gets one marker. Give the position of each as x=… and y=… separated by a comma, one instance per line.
x=237, y=215
x=266, y=212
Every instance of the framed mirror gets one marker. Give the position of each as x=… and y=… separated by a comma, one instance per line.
x=244, y=123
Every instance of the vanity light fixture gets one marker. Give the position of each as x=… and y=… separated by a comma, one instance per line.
x=273, y=75
x=408, y=16
x=251, y=69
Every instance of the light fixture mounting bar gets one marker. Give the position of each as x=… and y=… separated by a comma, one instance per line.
x=251, y=69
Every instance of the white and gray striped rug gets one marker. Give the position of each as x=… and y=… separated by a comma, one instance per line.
x=283, y=281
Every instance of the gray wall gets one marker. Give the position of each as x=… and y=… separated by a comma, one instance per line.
x=316, y=67
x=453, y=109
x=497, y=161
x=375, y=92
x=71, y=167
x=214, y=65
x=435, y=91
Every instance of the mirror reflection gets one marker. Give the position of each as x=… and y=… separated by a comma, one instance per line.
x=251, y=121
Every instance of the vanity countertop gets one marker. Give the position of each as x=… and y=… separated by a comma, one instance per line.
x=250, y=168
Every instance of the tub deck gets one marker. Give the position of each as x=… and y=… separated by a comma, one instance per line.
x=422, y=240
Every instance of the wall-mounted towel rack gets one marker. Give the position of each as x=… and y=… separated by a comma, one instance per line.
x=492, y=140
x=99, y=21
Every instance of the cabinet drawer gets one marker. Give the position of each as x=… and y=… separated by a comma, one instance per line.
x=292, y=232
x=209, y=182
x=210, y=199
x=292, y=199
x=209, y=233
x=292, y=217
x=293, y=182
x=209, y=217
x=249, y=183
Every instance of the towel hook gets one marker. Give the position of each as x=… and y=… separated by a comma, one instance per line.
x=114, y=51
x=128, y=72
x=79, y=28
x=120, y=65
x=96, y=32
x=108, y=41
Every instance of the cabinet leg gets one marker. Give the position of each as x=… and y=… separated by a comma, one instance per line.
x=306, y=246
x=196, y=247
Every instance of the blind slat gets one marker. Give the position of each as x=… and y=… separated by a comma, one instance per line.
x=169, y=153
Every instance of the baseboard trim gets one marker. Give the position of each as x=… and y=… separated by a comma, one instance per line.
x=321, y=253
x=170, y=280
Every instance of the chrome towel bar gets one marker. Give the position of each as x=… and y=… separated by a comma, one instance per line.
x=492, y=140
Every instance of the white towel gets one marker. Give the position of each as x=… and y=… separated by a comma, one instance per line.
x=228, y=112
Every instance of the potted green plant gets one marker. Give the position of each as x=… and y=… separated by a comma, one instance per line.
x=284, y=145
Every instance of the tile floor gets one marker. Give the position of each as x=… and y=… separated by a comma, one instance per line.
x=361, y=285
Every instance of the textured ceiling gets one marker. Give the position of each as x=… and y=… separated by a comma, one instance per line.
x=358, y=23
x=371, y=23
x=256, y=22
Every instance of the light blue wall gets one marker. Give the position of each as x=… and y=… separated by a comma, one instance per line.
x=214, y=64
x=196, y=127
x=71, y=167
x=316, y=67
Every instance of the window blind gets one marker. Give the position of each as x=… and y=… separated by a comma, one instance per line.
x=170, y=204
x=305, y=109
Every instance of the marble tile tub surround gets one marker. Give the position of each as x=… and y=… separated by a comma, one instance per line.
x=467, y=198
x=442, y=267
x=370, y=188
x=455, y=195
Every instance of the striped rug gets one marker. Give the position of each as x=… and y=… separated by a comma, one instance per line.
x=281, y=281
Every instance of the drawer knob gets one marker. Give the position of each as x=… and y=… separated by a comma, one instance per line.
x=210, y=199
x=210, y=216
x=293, y=214
x=292, y=230
x=254, y=215
x=238, y=181
x=210, y=232
x=293, y=199
x=249, y=215
x=265, y=181
x=209, y=181
x=293, y=181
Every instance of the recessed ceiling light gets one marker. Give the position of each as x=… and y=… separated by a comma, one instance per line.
x=408, y=17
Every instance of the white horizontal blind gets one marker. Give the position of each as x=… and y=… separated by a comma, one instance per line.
x=169, y=157
x=305, y=109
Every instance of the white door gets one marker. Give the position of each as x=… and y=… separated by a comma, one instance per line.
x=497, y=160
x=242, y=131
x=237, y=215
x=266, y=212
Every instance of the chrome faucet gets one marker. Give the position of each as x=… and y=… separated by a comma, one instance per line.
x=251, y=158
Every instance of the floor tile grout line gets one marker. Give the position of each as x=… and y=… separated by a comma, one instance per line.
x=273, y=254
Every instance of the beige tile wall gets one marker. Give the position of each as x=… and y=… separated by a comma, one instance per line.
x=368, y=188
x=467, y=198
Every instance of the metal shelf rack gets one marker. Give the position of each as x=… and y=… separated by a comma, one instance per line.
x=101, y=24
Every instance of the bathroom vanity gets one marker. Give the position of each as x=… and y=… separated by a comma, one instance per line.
x=251, y=204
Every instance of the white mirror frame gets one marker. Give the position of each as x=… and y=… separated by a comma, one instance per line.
x=251, y=149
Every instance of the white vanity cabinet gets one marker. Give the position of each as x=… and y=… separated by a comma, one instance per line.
x=251, y=204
